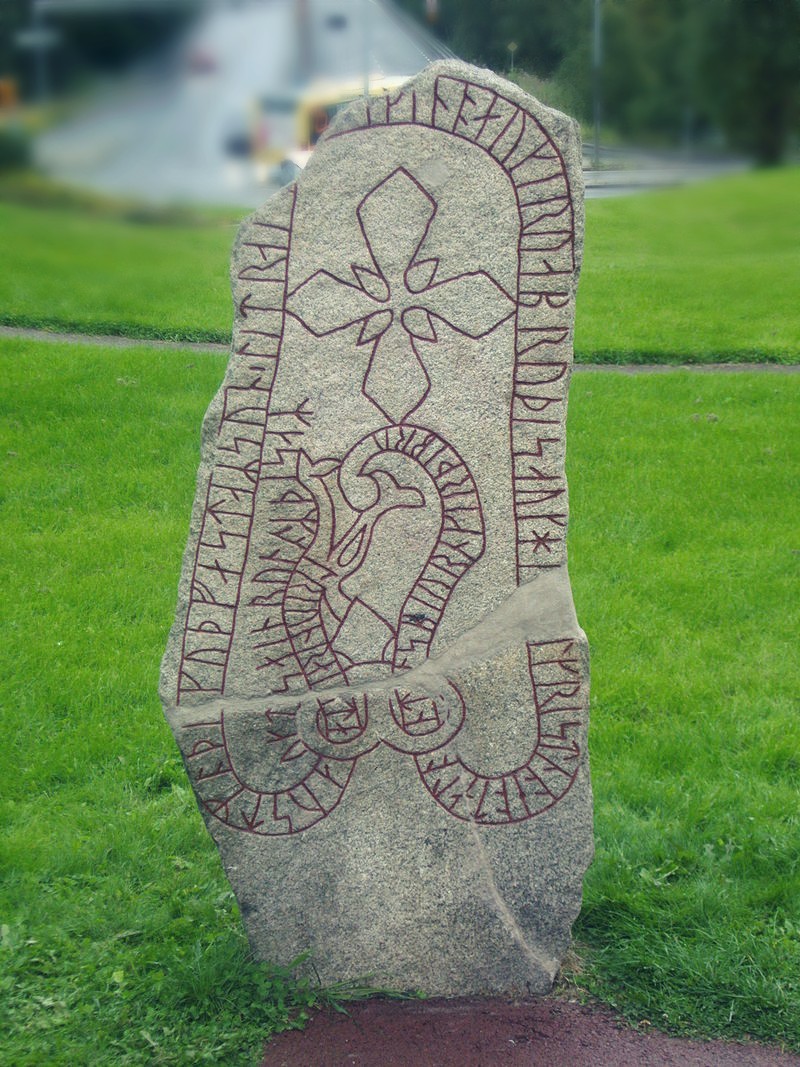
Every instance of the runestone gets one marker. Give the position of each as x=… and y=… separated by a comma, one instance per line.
x=376, y=677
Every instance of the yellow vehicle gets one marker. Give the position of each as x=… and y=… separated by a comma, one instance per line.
x=9, y=96
x=286, y=128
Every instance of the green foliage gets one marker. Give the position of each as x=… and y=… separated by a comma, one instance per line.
x=672, y=71
x=15, y=147
x=751, y=73
x=648, y=80
x=120, y=941
x=89, y=40
x=14, y=15
x=481, y=32
x=106, y=40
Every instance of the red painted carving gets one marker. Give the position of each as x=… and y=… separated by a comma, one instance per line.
x=398, y=299
x=549, y=770
x=311, y=615
x=313, y=785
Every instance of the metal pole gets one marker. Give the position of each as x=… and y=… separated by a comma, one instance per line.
x=597, y=59
x=366, y=39
x=39, y=54
x=596, y=66
x=304, y=39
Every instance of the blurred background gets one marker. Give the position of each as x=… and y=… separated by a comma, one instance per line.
x=217, y=101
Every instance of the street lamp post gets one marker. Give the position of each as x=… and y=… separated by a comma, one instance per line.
x=38, y=38
x=366, y=43
x=597, y=59
x=512, y=47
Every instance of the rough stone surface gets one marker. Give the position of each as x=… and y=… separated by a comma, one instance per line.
x=376, y=676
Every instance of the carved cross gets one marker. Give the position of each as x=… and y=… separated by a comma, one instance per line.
x=398, y=299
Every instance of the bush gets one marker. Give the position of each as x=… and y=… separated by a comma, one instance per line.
x=15, y=148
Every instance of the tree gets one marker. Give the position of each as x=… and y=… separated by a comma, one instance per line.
x=671, y=69
x=14, y=16
x=481, y=30
x=752, y=73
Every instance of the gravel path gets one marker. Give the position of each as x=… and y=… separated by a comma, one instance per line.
x=480, y=1032
x=223, y=349
x=108, y=341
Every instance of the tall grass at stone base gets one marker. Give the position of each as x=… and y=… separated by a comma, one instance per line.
x=121, y=942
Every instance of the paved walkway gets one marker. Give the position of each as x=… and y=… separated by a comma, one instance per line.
x=492, y=1032
x=110, y=341
x=223, y=349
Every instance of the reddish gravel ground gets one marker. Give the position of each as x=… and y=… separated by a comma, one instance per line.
x=480, y=1032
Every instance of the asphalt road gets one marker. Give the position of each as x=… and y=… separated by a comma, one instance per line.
x=159, y=133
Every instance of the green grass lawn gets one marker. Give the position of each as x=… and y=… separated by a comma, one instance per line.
x=67, y=269
x=121, y=942
x=706, y=273
x=685, y=559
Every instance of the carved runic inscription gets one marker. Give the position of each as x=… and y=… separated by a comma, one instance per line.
x=325, y=564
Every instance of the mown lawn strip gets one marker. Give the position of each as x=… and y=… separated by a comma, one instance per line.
x=701, y=274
